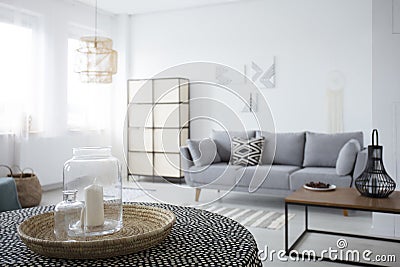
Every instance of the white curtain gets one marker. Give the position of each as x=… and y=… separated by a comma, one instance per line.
x=18, y=82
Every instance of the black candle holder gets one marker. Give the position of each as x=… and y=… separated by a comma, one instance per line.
x=375, y=181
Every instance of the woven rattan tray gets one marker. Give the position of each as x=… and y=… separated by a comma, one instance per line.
x=144, y=227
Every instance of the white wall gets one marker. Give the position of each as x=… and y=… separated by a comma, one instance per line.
x=46, y=156
x=385, y=93
x=7, y=150
x=309, y=38
x=46, y=151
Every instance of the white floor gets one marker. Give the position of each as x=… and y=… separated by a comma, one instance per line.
x=326, y=219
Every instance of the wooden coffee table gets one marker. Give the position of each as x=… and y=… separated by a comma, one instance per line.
x=341, y=198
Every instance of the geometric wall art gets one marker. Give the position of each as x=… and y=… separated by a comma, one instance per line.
x=262, y=73
x=223, y=75
x=252, y=103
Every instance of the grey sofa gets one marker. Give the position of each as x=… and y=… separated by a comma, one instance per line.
x=299, y=158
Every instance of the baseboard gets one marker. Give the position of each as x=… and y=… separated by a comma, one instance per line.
x=50, y=187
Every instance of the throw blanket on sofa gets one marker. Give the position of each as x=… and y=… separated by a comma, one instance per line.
x=8, y=194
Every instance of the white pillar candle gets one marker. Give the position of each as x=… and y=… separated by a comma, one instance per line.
x=94, y=210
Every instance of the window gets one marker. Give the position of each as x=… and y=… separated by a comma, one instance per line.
x=88, y=108
x=16, y=83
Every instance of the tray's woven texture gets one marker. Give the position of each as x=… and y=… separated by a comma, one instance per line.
x=143, y=228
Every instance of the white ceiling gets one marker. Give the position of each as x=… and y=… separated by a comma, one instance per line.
x=148, y=6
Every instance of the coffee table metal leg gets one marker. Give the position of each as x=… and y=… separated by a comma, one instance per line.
x=286, y=229
x=301, y=236
x=306, y=216
x=292, y=247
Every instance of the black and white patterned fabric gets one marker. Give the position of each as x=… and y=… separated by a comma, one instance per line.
x=198, y=238
x=247, y=152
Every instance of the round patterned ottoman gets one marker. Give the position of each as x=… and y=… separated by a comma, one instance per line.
x=198, y=238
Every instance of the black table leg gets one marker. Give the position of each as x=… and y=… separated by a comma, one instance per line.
x=286, y=229
x=306, y=216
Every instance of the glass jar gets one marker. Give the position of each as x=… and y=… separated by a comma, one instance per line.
x=96, y=175
x=67, y=215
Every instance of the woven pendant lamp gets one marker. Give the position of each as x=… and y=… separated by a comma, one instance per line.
x=375, y=181
x=96, y=60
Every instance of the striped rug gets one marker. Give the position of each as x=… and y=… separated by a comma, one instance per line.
x=252, y=218
x=129, y=193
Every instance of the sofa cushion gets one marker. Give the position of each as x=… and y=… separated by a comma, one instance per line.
x=223, y=141
x=218, y=173
x=269, y=176
x=289, y=148
x=347, y=157
x=318, y=174
x=186, y=158
x=246, y=152
x=322, y=150
x=361, y=163
x=203, y=152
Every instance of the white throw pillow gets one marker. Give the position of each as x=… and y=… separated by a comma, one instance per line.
x=204, y=152
x=347, y=157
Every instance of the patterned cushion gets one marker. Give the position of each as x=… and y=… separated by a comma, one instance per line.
x=247, y=152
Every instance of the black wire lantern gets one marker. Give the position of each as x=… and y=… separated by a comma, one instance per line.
x=374, y=181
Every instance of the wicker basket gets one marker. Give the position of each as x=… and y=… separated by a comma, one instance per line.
x=28, y=188
x=144, y=227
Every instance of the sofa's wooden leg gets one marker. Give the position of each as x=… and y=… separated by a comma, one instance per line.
x=197, y=194
x=345, y=213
